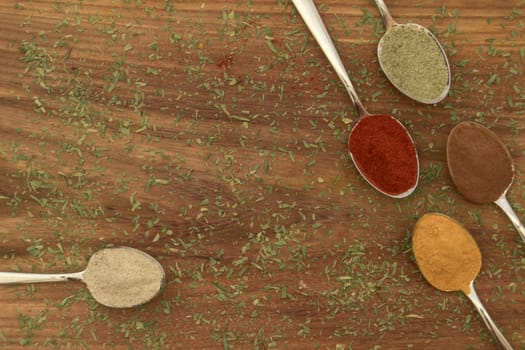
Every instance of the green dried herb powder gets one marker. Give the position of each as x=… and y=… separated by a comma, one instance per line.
x=414, y=63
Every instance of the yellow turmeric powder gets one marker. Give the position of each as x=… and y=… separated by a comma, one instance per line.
x=445, y=252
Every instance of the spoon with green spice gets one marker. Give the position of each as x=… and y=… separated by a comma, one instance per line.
x=413, y=59
x=120, y=277
x=380, y=146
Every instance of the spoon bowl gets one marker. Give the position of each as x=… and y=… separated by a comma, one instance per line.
x=403, y=163
x=381, y=162
x=397, y=58
x=481, y=167
x=450, y=260
x=120, y=277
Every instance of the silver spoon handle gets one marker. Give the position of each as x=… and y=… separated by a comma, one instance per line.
x=20, y=277
x=388, y=20
x=504, y=204
x=314, y=22
x=501, y=342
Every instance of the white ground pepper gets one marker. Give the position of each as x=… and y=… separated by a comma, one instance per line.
x=123, y=277
x=413, y=61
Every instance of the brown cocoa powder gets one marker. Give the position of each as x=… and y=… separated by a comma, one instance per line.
x=479, y=163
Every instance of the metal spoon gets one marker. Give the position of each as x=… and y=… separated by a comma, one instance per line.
x=463, y=176
x=311, y=17
x=124, y=287
x=391, y=23
x=424, y=240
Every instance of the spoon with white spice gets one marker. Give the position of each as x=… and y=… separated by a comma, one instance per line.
x=120, y=277
x=413, y=59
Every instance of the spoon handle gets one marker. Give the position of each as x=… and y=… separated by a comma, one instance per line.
x=388, y=20
x=499, y=338
x=314, y=22
x=504, y=204
x=20, y=277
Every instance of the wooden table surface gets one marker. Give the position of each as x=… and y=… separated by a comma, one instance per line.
x=212, y=134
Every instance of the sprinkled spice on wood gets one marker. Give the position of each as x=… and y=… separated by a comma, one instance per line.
x=123, y=277
x=414, y=63
x=384, y=153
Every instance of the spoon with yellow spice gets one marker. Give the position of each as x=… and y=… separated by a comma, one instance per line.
x=449, y=259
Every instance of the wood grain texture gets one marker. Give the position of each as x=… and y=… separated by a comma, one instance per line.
x=212, y=134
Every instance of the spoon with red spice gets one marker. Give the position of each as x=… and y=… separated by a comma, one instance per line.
x=381, y=148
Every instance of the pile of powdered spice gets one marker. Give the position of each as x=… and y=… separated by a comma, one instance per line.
x=123, y=277
x=479, y=163
x=445, y=252
x=414, y=62
x=385, y=154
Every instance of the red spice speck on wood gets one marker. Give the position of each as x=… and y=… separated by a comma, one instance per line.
x=384, y=153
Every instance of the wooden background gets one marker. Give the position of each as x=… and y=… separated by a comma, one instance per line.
x=212, y=134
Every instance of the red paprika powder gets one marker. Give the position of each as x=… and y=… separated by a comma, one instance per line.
x=384, y=153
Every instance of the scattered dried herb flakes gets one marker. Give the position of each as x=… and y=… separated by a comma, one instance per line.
x=131, y=129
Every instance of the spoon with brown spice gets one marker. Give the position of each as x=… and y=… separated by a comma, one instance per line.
x=413, y=59
x=481, y=167
x=119, y=277
x=449, y=259
x=380, y=147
